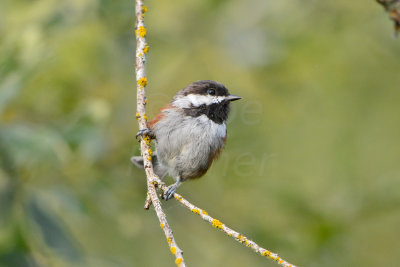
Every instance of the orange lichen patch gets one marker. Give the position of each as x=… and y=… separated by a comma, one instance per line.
x=217, y=224
x=266, y=253
x=173, y=250
x=147, y=140
x=204, y=212
x=196, y=211
x=242, y=239
x=146, y=49
x=142, y=82
x=178, y=261
x=142, y=31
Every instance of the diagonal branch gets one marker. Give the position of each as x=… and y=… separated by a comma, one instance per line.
x=141, y=80
x=228, y=231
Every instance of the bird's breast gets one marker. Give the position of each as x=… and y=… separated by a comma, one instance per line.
x=188, y=145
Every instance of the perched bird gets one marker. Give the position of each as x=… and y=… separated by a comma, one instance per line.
x=190, y=132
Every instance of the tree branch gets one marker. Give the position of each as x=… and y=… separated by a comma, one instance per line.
x=225, y=229
x=152, y=180
x=141, y=80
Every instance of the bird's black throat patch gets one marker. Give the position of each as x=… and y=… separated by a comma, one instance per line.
x=217, y=112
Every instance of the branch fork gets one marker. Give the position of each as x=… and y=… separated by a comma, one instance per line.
x=152, y=180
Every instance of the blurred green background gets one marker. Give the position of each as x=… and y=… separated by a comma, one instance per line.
x=311, y=169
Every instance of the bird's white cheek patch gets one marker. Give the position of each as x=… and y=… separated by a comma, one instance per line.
x=197, y=100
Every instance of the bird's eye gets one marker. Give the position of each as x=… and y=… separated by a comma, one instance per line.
x=211, y=91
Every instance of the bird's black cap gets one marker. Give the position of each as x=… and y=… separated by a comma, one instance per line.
x=203, y=87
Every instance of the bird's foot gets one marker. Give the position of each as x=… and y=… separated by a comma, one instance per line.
x=146, y=132
x=170, y=191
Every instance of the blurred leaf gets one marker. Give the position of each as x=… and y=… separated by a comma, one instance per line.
x=55, y=235
x=9, y=89
x=33, y=145
x=18, y=253
x=9, y=187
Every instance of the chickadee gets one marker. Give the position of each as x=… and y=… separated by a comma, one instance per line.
x=190, y=132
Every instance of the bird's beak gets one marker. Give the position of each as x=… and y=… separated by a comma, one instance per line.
x=232, y=97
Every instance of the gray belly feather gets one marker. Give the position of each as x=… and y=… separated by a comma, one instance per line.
x=184, y=144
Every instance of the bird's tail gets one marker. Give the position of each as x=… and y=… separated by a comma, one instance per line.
x=138, y=161
x=159, y=169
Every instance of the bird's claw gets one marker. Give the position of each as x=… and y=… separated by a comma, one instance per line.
x=170, y=191
x=145, y=132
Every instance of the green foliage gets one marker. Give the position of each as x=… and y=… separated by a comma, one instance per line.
x=311, y=166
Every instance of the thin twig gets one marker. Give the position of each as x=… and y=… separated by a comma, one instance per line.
x=141, y=50
x=228, y=231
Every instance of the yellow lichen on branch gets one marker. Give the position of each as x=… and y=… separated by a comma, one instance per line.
x=141, y=31
x=141, y=49
x=225, y=229
x=142, y=82
x=146, y=49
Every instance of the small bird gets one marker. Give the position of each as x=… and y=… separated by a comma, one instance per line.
x=190, y=132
